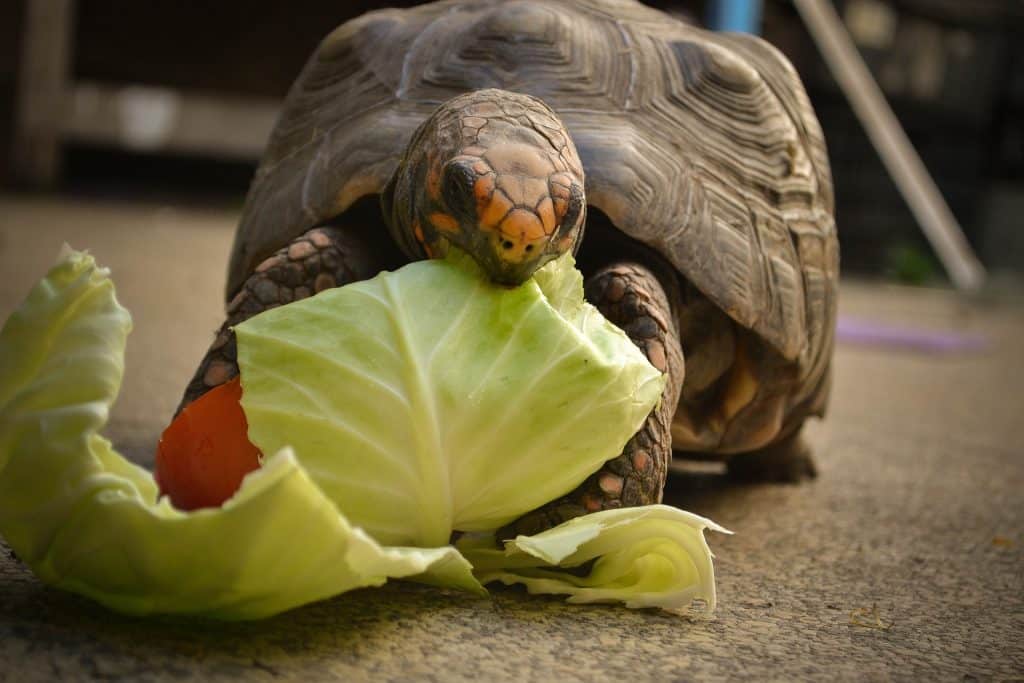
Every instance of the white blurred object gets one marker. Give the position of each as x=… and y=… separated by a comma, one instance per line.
x=150, y=119
x=147, y=116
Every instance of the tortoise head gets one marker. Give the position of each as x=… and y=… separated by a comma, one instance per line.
x=495, y=174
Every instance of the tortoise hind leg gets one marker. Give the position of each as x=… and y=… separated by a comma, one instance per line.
x=323, y=257
x=632, y=297
x=788, y=460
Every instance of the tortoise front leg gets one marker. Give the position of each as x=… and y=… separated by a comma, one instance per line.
x=323, y=257
x=632, y=297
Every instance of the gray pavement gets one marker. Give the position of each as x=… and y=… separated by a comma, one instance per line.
x=903, y=560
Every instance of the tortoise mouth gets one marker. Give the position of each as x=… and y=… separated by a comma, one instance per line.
x=514, y=277
x=602, y=243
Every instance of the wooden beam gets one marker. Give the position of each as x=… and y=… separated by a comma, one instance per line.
x=890, y=140
x=41, y=90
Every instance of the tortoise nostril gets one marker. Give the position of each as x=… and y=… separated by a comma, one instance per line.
x=507, y=244
x=529, y=247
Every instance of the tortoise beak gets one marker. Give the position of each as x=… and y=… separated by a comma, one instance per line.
x=513, y=277
x=511, y=273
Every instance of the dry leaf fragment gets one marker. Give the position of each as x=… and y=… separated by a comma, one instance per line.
x=868, y=618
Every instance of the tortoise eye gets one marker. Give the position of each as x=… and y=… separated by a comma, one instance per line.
x=573, y=209
x=457, y=181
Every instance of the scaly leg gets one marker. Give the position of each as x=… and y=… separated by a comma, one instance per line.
x=632, y=297
x=323, y=257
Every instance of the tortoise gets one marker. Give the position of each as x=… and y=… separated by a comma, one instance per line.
x=691, y=160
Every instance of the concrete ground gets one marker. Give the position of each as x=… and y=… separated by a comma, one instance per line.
x=903, y=560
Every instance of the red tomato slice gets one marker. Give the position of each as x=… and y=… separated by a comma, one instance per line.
x=205, y=452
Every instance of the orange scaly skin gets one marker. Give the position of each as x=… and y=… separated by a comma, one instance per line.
x=494, y=174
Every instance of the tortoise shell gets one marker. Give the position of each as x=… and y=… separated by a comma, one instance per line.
x=701, y=145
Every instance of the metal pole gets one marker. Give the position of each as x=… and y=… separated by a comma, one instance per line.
x=42, y=91
x=890, y=140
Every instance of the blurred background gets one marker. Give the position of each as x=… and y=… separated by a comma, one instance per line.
x=173, y=101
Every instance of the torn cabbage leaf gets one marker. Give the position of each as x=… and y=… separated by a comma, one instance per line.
x=429, y=399
x=651, y=556
x=86, y=520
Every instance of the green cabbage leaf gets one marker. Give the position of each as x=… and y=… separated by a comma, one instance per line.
x=86, y=520
x=461, y=403
x=398, y=410
x=651, y=556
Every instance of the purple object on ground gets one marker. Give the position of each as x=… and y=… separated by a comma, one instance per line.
x=870, y=333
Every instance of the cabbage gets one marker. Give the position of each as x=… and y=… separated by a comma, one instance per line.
x=86, y=520
x=652, y=556
x=397, y=410
x=462, y=403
